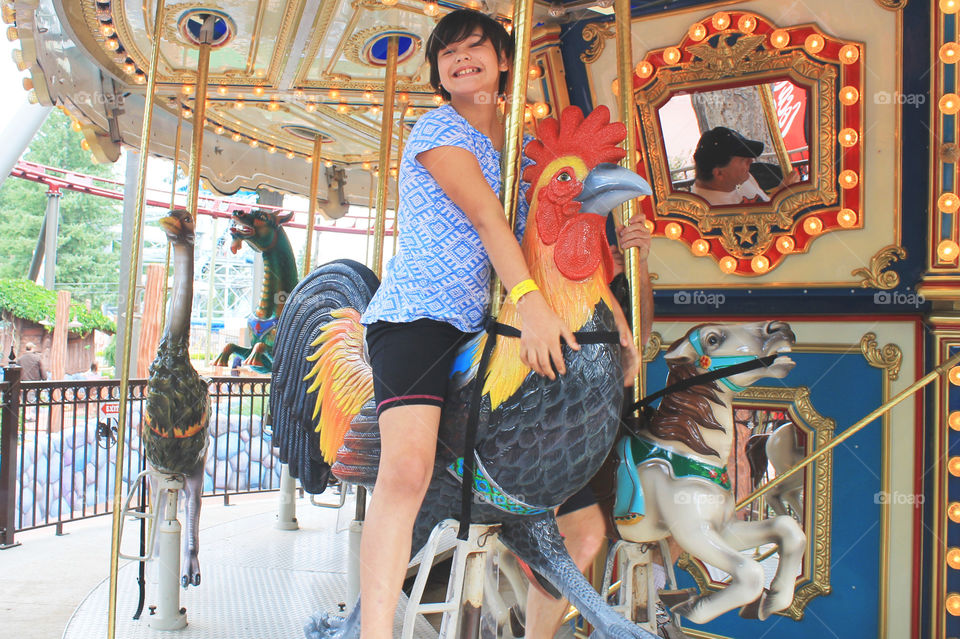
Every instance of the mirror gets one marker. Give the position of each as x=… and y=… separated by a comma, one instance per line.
x=787, y=165
x=774, y=114
x=774, y=429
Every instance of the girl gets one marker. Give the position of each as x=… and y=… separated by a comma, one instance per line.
x=435, y=290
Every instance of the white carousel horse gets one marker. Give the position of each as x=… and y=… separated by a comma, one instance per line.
x=783, y=453
x=680, y=470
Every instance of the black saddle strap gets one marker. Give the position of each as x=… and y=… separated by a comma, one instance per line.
x=494, y=329
x=705, y=378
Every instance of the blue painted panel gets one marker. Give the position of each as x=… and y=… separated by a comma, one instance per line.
x=845, y=388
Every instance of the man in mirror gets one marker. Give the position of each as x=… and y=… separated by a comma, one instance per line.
x=722, y=164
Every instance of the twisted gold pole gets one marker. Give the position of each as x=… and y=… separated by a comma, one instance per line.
x=386, y=138
x=312, y=209
x=511, y=156
x=128, y=330
x=625, y=83
x=853, y=430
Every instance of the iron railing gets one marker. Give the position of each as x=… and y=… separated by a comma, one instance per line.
x=57, y=446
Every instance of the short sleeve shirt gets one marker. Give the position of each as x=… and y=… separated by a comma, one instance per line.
x=441, y=270
x=747, y=193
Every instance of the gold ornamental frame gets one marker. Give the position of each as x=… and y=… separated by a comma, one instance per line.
x=818, y=512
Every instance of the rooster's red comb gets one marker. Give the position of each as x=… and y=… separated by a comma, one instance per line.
x=593, y=139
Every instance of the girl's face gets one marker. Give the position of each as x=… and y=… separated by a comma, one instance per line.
x=470, y=68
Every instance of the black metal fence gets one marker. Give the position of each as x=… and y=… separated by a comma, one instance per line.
x=58, y=446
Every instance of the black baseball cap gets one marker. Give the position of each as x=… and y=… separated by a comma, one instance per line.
x=718, y=145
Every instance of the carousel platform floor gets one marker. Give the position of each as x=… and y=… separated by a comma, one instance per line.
x=257, y=581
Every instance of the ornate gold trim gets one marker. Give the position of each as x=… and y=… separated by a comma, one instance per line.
x=815, y=579
x=597, y=34
x=888, y=358
x=652, y=348
x=875, y=275
x=893, y=5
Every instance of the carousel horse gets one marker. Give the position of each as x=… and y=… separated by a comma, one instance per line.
x=676, y=469
x=537, y=441
x=263, y=232
x=781, y=450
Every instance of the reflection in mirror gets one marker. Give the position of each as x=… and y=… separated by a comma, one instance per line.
x=774, y=114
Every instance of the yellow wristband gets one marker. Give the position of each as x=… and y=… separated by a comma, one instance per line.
x=521, y=289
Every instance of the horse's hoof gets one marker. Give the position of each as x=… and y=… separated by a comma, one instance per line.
x=672, y=598
x=323, y=625
x=752, y=609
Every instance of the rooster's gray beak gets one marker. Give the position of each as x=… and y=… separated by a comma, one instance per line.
x=609, y=185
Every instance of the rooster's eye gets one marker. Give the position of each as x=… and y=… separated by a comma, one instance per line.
x=564, y=177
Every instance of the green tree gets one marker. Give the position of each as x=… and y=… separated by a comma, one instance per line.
x=88, y=260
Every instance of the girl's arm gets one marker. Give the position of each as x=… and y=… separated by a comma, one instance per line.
x=458, y=173
x=635, y=234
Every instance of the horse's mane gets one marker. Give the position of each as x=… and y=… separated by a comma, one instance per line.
x=681, y=415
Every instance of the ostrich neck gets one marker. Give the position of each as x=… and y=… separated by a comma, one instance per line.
x=182, y=301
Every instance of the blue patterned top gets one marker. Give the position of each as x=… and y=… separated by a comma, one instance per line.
x=441, y=270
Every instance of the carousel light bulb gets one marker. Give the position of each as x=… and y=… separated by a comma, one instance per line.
x=649, y=225
x=272, y=149
x=700, y=247
x=129, y=68
x=785, y=244
x=541, y=109
x=309, y=159
x=847, y=137
x=849, y=53
x=779, y=39
x=342, y=108
x=12, y=34
x=527, y=115
x=273, y=106
x=403, y=97
x=846, y=218
x=949, y=6
x=311, y=107
x=644, y=69
x=671, y=55
x=431, y=9
x=291, y=155
x=948, y=202
x=673, y=231
x=236, y=137
x=720, y=20
x=374, y=110
x=219, y=130
x=849, y=95
x=953, y=604
x=106, y=29
x=949, y=53
x=947, y=250
x=112, y=43
x=334, y=94
x=368, y=95
x=728, y=264
x=697, y=32
x=760, y=264
x=534, y=72
x=222, y=89
x=186, y=89
x=848, y=179
x=953, y=466
x=747, y=23
x=437, y=99
x=366, y=166
x=813, y=225
x=953, y=558
x=388, y=3
x=76, y=126
x=238, y=104
x=954, y=377
x=140, y=78
x=258, y=90
x=393, y=173
x=186, y=112
x=953, y=512
x=207, y=103
x=954, y=420
x=254, y=144
x=814, y=43
x=328, y=164
x=949, y=104
x=84, y=144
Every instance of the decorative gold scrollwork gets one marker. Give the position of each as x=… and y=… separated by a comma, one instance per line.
x=888, y=358
x=597, y=34
x=876, y=275
x=652, y=348
x=893, y=5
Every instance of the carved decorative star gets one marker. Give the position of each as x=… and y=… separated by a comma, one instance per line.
x=746, y=235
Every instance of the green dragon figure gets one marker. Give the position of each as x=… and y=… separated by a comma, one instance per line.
x=263, y=230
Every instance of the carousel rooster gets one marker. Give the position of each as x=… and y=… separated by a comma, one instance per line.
x=538, y=440
x=175, y=427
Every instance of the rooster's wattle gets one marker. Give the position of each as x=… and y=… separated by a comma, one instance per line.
x=538, y=440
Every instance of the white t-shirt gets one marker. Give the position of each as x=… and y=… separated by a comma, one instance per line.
x=747, y=193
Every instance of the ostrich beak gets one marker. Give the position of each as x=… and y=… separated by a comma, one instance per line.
x=170, y=224
x=608, y=186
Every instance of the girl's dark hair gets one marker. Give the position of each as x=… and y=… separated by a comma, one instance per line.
x=459, y=24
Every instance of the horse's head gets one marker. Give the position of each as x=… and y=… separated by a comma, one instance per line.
x=709, y=347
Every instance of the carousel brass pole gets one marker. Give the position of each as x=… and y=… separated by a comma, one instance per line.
x=773, y=126
x=625, y=83
x=312, y=210
x=386, y=137
x=853, y=430
x=373, y=190
x=173, y=197
x=128, y=331
x=513, y=136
